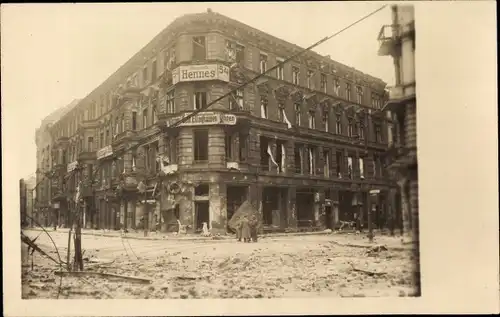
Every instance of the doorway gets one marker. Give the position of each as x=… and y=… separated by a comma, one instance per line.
x=236, y=195
x=329, y=217
x=201, y=214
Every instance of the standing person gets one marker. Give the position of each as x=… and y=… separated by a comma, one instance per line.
x=238, y=231
x=253, y=223
x=245, y=229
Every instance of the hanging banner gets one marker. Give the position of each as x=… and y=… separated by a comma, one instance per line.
x=205, y=118
x=104, y=152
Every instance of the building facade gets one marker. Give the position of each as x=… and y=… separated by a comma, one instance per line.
x=304, y=145
x=398, y=41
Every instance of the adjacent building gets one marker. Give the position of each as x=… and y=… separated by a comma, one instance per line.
x=304, y=145
x=27, y=196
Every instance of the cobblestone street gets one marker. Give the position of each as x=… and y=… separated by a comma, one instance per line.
x=287, y=266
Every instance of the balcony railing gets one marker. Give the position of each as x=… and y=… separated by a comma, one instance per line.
x=387, y=38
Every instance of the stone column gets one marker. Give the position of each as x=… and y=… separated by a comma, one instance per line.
x=319, y=209
x=218, y=208
x=405, y=206
x=292, y=208
x=130, y=214
x=122, y=212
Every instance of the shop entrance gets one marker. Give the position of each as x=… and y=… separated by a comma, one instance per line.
x=201, y=214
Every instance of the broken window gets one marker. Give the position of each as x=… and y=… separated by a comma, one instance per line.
x=200, y=100
x=339, y=163
x=199, y=49
x=311, y=160
x=349, y=167
x=361, y=168
x=237, y=100
x=297, y=113
x=298, y=153
x=280, y=70
x=200, y=145
x=145, y=118
x=202, y=190
x=134, y=120
x=312, y=120
x=295, y=75
x=170, y=101
x=326, y=163
x=263, y=107
x=263, y=63
x=323, y=83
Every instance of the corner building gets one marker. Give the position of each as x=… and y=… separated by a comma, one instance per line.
x=304, y=145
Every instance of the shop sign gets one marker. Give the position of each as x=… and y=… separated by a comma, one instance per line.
x=72, y=166
x=205, y=118
x=105, y=152
x=189, y=73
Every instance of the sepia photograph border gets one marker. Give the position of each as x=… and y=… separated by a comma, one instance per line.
x=458, y=187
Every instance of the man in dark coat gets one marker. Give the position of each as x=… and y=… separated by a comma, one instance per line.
x=245, y=229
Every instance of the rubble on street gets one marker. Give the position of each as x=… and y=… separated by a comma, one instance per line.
x=288, y=266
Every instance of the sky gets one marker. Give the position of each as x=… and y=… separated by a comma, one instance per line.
x=54, y=53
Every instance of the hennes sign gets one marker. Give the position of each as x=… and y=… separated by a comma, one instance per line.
x=200, y=73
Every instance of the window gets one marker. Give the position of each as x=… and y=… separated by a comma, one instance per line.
x=145, y=118
x=297, y=114
x=361, y=131
x=199, y=49
x=90, y=144
x=263, y=63
x=280, y=70
x=155, y=116
x=376, y=163
x=123, y=122
x=348, y=91
x=281, y=112
x=326, y=119
x=263, y=107
x=336, y=87
x=134, y=120
x=298, y=150
x=311, y=160
x=200, y=145
x=349, y=167
x=228, y=147
x=170, y=102
x=202, y=190
x=145, y=78
x=243, y=146
x=264, y=153
x=350, y=129
x=326, y=163
x=101, y=139
x=359, y=94
x=295, y=75
x=310, y=75
x=200, y=100
x=361, y=168
x=157, y=162
x=237, y=100
x=153, y=70
x=323, y=83
x=107, y=136
x=312, y=120
x=281, y=156
x=240, y=53
x=378, y=134
x=234, y=52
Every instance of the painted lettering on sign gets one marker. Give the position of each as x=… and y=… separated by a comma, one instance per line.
x=206, y=118
x=200, y=73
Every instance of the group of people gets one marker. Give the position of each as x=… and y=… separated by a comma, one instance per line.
x=246, y=229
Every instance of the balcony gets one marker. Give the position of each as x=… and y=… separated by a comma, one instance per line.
x=398, y=96
x=388, y=40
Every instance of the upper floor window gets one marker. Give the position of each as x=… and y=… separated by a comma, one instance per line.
x=359, y=95
x=311, y=120
x=361, y=168
x=378, y=133
x=348, y=91
x=361, y=131
x=297, y=113
x=234, y=52
x=323, y=83
x=200, y=141
x=295, y=75
x=263, y=107
x=350, y=129
x=200, y=100
x=134, y=120
x=155, y=115
x=326, y=163
x=311, y=160
x=153, y=70
x=310, y=75
x=281, y=112
x=298, y=158
x=199, y=48
x=145, y=78
x=237, y=100
x=263, y=63
x=336, y=87
x=349, y=167
x=338, y=125
x=326, y=119
x=280, y=70
x=170, y=101
x=145, y=118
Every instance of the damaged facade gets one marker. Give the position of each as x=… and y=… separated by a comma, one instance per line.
x=304, y=145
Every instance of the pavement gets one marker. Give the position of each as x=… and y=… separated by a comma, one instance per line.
x=349, y=238
x=313, y=265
